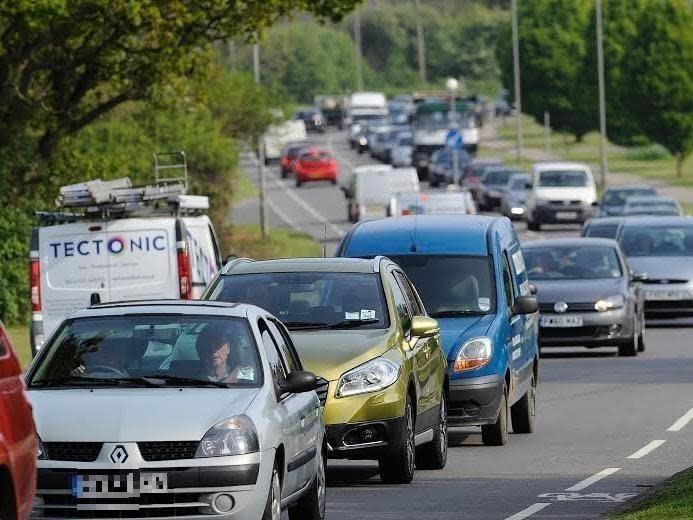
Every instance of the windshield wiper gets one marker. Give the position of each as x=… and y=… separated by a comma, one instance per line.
x=348, y=324
x=298, y=325
x=454, y=314
x=166, y=380
x=89, y=381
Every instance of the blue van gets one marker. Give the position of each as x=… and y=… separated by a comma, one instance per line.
x=470, y=274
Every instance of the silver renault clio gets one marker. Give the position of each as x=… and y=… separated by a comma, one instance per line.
x=176, y=409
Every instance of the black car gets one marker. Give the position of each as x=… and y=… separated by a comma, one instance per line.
x=614, y=199
x=587, y=294
x=606, y=227
x=313, y=118
x=493, y=185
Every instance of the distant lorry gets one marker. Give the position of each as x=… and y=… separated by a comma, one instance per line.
x=112, y=242
x=363, y=107
x=432, y=121
x=333, y=108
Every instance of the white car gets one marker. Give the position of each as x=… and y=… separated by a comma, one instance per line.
x=453, y=202
x=176, y=409
x=560, y=192
x=401, y=155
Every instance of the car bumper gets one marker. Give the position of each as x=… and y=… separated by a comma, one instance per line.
x=658, y=308
x=368, y=440
x=474, y=401
x=317, y=176
x=192, y=487
x=559, y=215
x=599, y=329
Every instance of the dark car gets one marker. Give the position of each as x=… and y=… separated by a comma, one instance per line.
x=471, y=177
x=441, y=171
x=290, y=154
x=614, y=199
x=606, y=227
x=587, y=294
x=662, y=247
x=313, y=118
x=656, y=206
x=493, y=185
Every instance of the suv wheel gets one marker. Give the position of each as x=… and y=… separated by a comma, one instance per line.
x=311, y=506
x=641, y=337
x=496, y=434
x=398, y=466
x=629, y=348
x=524, y=412
x=273, y=508
x=434, y=455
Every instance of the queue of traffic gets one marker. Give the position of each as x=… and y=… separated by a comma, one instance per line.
x=219, y=389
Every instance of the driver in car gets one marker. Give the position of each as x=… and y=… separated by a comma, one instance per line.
x=219, y=357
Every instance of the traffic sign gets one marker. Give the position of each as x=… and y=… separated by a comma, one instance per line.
x=453, y=139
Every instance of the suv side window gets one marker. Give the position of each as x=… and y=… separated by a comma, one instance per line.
x=285, y=348
x=414, y=305
x=507, y=282
x=275, y=362
x=401, y=305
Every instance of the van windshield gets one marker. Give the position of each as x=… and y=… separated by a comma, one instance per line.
x=451, y=285
x=563, y=179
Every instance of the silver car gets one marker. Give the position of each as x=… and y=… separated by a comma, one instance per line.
x=176, y=409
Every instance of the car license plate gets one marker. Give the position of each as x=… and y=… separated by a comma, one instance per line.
x=566, y=320
x=664, y=295
x=122, y=485
x=566, y=215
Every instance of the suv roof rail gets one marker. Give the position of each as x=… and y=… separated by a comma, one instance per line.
x=376, y=262
x=234, y=263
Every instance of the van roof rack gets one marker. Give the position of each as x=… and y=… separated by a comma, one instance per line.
x=173, y=161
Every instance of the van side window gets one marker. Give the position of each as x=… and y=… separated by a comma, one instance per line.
x=507, y=282
x=401, y=305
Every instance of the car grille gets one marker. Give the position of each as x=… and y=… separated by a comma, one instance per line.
x=572, y=307
x=73, y=451
x=321, y=390
x=159, y=505
x=565, y=203
x=573, y=332
x=167, y=450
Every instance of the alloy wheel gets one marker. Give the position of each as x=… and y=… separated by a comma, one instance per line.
x=443, y=426
x=321, y=487
x=411, y=448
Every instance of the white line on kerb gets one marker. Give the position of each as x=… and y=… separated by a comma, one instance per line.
x=529, y=511
x=594, y=478
x=646, y=449
x=683, y=421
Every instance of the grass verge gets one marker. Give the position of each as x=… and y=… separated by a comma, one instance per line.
x=19, y=335
x=672, y=501
x=649, y=161
x=247, y=241
x=243, y=188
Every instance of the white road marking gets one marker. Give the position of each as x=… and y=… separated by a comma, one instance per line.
x=594, y=478
x=683, y=421
x=646, y=449
x=534, y=508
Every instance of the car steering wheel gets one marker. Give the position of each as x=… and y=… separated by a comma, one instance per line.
x=106, y=368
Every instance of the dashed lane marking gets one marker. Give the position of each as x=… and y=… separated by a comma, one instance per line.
x=681, y=422
x=588, y=497
x=594, y=478
x=534, y=508
x=646, y=449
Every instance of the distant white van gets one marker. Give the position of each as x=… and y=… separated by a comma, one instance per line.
x=280, y=134
x=75, y=262
x=450, y=202
x=370, y=190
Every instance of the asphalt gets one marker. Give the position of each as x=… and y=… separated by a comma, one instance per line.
x=595, y=410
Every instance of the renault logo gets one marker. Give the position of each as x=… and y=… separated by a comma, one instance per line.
x=119, y=455
x=560, y=307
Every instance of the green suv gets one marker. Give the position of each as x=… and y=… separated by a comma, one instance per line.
x=359, y=325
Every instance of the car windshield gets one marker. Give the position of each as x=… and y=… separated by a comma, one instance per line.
x=563, y=179
x=306, y=300
x=518, y=183
x=451, y=285
x=618, y=197
x=498, y=177
x=150, y=350
x=576, y=262
x=315, y=157
x=661, y=240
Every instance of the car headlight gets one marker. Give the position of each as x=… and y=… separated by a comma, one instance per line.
x=612, y=302
x=474, y=353
x=233, y=436
x=373, y=376
x=40, y=449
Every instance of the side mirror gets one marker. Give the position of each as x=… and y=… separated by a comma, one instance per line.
x=298, y=382
x=638, y=277
x=528, y=185
x=525, y=305
x=424, y=327
x=533, y=289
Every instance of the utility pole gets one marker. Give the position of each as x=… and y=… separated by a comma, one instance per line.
x=516, y=74
x=547, y=130
x=357, y=44
x=421, y=44
x=602, y=95
x=260, y=149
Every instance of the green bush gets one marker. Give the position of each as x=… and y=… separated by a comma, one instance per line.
x=652, y=152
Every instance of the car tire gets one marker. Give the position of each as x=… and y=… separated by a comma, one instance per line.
x=334, y=182
x=285, y=174
x=398, y=466
x=524, y=412
x=298, y=183
x=311, y=506
x=641, y=337
x=629, y=348
x=273, y=507
x=434, y=455
x=496, y=434
x=533, y=225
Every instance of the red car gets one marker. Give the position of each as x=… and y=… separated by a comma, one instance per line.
x=315, y=164
x=289, y=155
x=18, y=444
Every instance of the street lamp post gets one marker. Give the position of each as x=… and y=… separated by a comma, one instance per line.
x=260, y=148
x=452, y=84
x=602, y=95
x=516, y=75
x=357, y=45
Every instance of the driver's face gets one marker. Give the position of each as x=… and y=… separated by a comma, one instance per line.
x=216, y=355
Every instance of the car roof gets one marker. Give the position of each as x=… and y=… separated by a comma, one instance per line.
x=436, y=234
x=649, y=198
x=559, y=165
x=577, y=241
x=291, y=265
x=189, y=307
x=656, y=220
x=605, y=221
x=627, y=187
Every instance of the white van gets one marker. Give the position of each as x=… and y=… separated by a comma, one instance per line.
x=371, y=188
x=280, y=134
x=76, y=261
x=450, y=202
x=560, y=192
